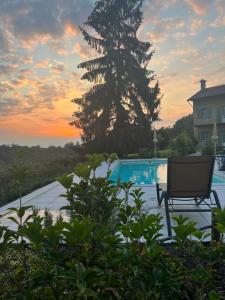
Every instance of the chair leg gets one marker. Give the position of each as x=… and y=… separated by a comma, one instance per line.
x=167, y=214
x=161, y=197
x=158, y=194
x=200, y=201
x=196, y=201
x=216, y=198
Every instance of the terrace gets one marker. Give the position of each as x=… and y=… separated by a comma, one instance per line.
x=48, y=197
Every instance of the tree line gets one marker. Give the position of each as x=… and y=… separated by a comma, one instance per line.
x=23, y=169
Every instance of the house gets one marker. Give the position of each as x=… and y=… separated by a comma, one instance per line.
x=208, y=113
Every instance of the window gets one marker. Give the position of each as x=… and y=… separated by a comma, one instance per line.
x=222, y=136
x=221, y=113
x=204, y=113
x=204, y=136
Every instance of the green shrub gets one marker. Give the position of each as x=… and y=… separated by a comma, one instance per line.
x=107, y=250
x=166, y=153
x=182, y=144
x=208, y=149
x=133, y=156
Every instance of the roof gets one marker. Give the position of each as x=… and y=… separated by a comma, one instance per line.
x=209, y=92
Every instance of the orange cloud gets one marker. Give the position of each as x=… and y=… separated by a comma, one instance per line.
x=58, y=68
x=45, y=111
x=71, y=30
x=5, y=87
x=162, y=28
x=59, y=47
x=200, y=7
x=42, y=64
x=31, y=42
x=84, y=51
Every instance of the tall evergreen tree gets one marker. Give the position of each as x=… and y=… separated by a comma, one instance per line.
x=116, y=114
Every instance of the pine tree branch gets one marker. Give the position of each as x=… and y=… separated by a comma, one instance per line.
x=93, y=64
x=97, y=44
x=97, y=76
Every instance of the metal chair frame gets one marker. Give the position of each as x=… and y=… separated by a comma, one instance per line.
x=172, y=206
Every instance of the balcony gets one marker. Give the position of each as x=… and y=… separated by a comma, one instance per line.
x=198, y=122
x=221, y=119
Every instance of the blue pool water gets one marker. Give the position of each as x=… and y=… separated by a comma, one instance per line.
x=145, y=172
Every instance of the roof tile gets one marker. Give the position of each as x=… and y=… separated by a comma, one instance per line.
x=209, y=92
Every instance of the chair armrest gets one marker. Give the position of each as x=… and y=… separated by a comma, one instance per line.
x=162, y=187
x=160, y=190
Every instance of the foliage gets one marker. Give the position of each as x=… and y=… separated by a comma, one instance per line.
x=208, y=149
x=182, y=144
x=109, y=159
x=166, y=153
x=220, y=221
x=24, y=169
x=184, y=124
x=116, y=114
x=184, y=231
x=166, y=134
x=109, y=249
x=94, y=161
x=133, y=156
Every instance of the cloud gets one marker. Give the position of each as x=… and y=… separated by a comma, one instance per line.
x=58, y=68
x=83, y=51
x=196, y=25
x=180, y=35
x=220, y=20
x=220, y=5
x=5, y=87
x=6, y=105
x=200, y=7
x=41, y=20
x=185, y=52
x=4, y=45
x=25, y=72
x=6, y=69
x=58, y=47
x=219, y=70
x=152, y=9
x=161, y=29
x=210, y=39
x=187, y=55
x=41, y=80
x=26, y=60
x=42, y=64
x=33, y=91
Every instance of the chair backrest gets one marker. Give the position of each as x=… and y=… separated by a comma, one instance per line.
x=190, y=176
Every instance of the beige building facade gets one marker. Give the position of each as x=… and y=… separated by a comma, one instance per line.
x=209, y=113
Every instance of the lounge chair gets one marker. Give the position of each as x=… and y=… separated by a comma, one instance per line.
x=189, y=181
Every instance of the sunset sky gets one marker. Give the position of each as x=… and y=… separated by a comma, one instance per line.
x=41, y=46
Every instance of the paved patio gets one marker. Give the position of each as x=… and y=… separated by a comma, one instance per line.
x=49, y=197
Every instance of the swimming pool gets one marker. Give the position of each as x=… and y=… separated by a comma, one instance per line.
x=145, y=172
